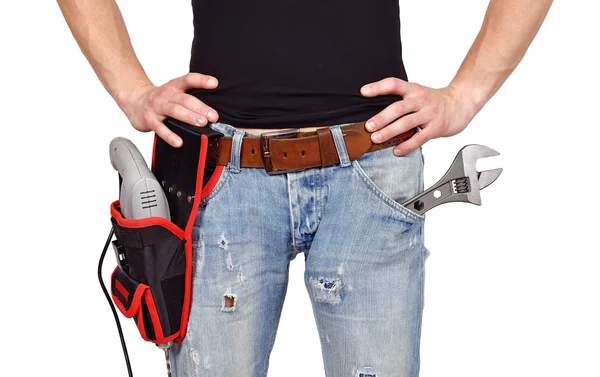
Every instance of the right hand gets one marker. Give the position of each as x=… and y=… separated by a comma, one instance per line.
x=149, y=105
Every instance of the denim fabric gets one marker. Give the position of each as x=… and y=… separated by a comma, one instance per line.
x=364, y=255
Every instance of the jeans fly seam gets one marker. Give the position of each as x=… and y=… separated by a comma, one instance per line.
x=318, y=196
x=289, y=192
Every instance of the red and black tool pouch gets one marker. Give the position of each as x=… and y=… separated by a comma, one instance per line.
x=152, y=282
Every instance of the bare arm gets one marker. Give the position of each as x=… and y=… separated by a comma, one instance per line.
x=508, y=29
x=102, y=36
x=100, y=31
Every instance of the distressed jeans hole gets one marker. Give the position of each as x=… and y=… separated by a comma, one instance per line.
x=228, y=303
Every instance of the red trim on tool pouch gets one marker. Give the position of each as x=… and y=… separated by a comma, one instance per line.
x=145, y=222
x=135, y=301
x=212, y=182
x=156, y=324
x=153, y=152
x=188, y=235
x=140, y=325
x=121, y=289
x=154, y=316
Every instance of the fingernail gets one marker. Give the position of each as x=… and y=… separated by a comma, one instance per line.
x=370, y=125
x=212, y=82
x=367, y=89
x=212, y=115
x=177, y=141
x=200, y=121
x=376, y=137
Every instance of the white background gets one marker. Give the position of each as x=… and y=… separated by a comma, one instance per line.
x=512, y=286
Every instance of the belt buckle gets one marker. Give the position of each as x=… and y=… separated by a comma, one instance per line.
x=265, y=154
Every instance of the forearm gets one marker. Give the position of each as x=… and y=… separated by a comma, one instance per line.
x=100, y=31
x=508, y=29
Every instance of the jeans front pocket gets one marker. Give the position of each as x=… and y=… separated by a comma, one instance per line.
x=393, y=179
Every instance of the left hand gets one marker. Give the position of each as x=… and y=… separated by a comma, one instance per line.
x=438, y=112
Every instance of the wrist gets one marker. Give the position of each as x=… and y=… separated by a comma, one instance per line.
x=471, y=96
x=126, y=97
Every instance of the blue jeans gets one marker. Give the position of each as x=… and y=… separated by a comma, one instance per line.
x=364, y=256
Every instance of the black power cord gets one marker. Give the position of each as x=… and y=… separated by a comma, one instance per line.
x=112, y=306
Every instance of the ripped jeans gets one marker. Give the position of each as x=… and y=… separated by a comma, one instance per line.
x=364, y=265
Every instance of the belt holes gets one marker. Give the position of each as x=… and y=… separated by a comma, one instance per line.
x=303, y=153
x=285, y=154
x=253, y=151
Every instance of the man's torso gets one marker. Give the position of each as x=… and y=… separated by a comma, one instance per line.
x=295, y=64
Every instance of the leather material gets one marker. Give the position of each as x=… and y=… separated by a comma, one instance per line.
x=302, y=150
x=327, y=147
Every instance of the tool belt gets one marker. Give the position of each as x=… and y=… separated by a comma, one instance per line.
x=152, y=282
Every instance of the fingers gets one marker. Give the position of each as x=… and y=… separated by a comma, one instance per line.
x=191, y=109
x=194, y=80
x=173, y=101
x=154, y=104
x=390, y=85
x=401, y=125
x=391, y=113
x=414, y=142
x=166, y=134
x=177, y=111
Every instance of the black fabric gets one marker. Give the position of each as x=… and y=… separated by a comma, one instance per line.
x=295, y=63
x=128, y=283
x=148, y=327
x=154, y=254
x=178, y=167
x=173, y=288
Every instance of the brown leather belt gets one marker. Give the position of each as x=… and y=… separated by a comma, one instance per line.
x=292, y=150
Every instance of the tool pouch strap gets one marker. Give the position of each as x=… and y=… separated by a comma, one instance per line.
x=152, y=282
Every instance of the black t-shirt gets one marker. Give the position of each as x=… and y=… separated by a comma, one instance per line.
x=295, y=63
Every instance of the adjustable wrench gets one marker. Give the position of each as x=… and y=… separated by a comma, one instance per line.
x=461, y=183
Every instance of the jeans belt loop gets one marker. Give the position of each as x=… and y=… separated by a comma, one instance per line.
x=340, y=145
x=236, y=150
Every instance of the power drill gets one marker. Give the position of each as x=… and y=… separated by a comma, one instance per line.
x=141, y=194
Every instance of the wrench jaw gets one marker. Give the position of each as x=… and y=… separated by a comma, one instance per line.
x=473, y=152
x=487, y=177
x=461, y=183
x=479, y=180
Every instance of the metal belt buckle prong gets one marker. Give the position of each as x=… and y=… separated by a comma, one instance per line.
x=265, y=154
